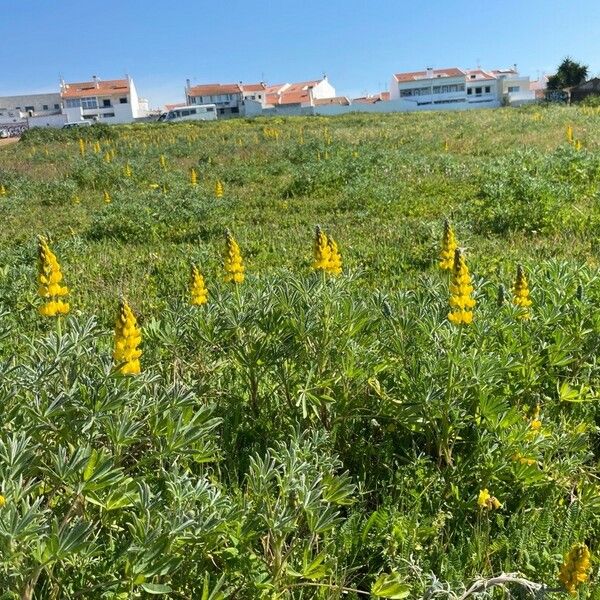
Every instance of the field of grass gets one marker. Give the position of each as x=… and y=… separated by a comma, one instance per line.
x=301, y=435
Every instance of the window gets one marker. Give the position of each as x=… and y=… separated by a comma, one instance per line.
x=73, y=103
x=210, y=109
x=235, y=109
x=44, y=107
x=106, y=103
x=469, y=91
x=108, y=115
x=487, y=89
x=56, y=106
x=17, y=108
x=193, y=111
x=87, y=103
x=31, y=108
x=122, y=100
x=514, y=88
x=185, y=113
x=473, y=76
x=478, y=90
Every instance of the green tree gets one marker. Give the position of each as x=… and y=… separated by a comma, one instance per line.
x=569, y=73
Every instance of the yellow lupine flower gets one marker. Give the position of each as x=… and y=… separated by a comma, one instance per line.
x=128, y=337
x=536, y=422
x=49, y=279
x=2, y=190
x=81, y=147
x=234, y=265
x=569, y=134
x=219, y=189
x=461, y=302
x=106, y=196
x=107, y=157
x=449, y=246
x=2, y=500
x=487, y=501
x=521, y=293
x=321, y=251
x=127, y=170
x=96, y=147
x=193, y=176
x=575, y=568
x=198, y=291
x=163, y=162
x=335, y=259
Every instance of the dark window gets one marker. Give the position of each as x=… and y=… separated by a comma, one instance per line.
x=487, y=89
x=17, y=108
x=184, y=113
x=192, y=111
x=210, y=109
x=107, y=115
x=221, y=111
x=56, y=106
x=30, y=108
x=45, y=107
x=122, y=100
x=106, y=103
x=478, y=90
x=235, y=109
x=469, y=91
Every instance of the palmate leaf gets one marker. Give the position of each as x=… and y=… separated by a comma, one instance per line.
x=390, y=585
x=338, y=490
x=156, y=588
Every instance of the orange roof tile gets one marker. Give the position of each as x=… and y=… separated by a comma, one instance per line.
x=341, y=100
x=253, y=87
x=110, y=87
x=214, y=89
x=480, y=75
x=381, y=97
x=416, y=75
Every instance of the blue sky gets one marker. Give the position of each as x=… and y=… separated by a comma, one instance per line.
x=358, y=43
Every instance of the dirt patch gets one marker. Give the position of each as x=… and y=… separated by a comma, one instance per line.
x=7, y=141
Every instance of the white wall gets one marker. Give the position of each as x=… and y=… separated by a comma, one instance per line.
x=47, y=121
x=38, y=101
x=323, y=90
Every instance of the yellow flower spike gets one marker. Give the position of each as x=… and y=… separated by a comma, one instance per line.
x=76, y=199
x=578, y=145
x=81, y=147
x=2, y=500
x=575, y=568
x=446, y=146
x=219, y=191
x=461, y=290
x=449, y=246
x=335, y=258
x=521, y=293
x=233, y=265
x=193, y=177
x=569, y=134
x=106, y=197
x=536, y=422
x=163, y=162
x=2, y=190
x=487, y=501
x=107, y=157
x=128, y=338
x=49, y=282
x=127, y=170
x=321, y=251
x=198, y=291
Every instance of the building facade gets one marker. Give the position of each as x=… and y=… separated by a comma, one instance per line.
x=17, y=108
x=229, y=98
x=110, y=101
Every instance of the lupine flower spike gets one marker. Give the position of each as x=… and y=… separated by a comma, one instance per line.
x=521, y=293
x=461, y=302
x=49, y=279
x=81, y=147
x=335, y=258
x=234, y=266
x=321, y=251
x=193, y=176
x=487, y=501
x=575, y=568
x=127, y=170
x=198, y=291
x=2, y=190
x=107, y=198
x=219, y=189
x=569, y=134
x=449, y=246
x=128, y=337
x=163, y=162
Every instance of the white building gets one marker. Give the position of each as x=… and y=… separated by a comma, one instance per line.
x=229, y=98
x=14, y=109
x=111, y=101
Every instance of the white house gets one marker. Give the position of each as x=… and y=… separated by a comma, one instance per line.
x=229, y=98
x=303, y=93
x=14, y=109
x=110, y=101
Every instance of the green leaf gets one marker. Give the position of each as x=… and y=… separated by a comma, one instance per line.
x=390, y=586
x=156, y=588
x=90, y=467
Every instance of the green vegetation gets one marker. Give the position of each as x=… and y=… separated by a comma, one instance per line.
x=302, y=435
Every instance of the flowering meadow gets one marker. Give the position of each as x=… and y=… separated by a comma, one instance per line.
x=302, y=358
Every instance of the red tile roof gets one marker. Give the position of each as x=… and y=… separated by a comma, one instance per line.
x=111, y=87
x=416, y=75
x=286, y=97
x=291, y=93
x=253, y=87
x=214, y=89
x=381, y=97
x=480, y=75
x=341, y=100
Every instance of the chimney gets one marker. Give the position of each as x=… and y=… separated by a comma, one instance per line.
x=515, y=67
x=429, y=73
x=95, y=80
x=325, y=76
